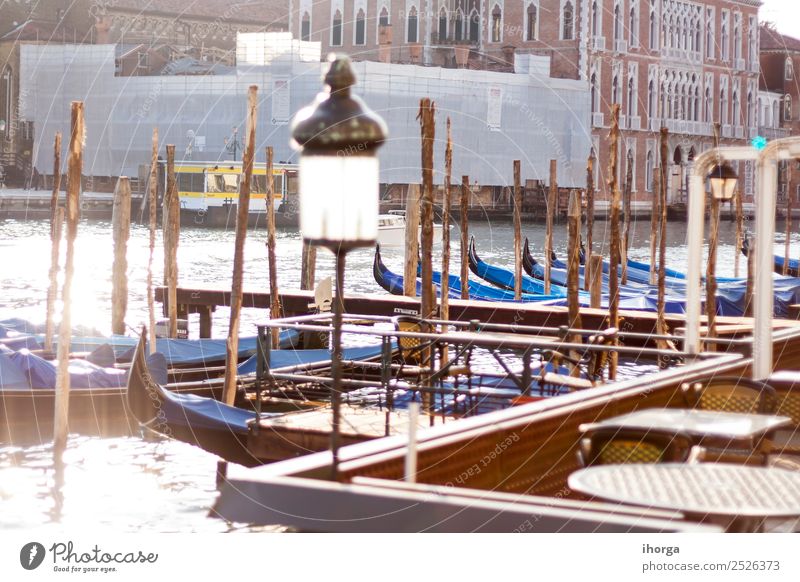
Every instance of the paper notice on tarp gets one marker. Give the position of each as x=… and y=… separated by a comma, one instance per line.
x=281, y=105
x=494, y=115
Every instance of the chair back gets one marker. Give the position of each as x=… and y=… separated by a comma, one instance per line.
x=410, y=349
x=615, y=446
x=731, y=394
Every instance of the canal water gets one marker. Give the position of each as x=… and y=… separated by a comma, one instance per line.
x=151, y=484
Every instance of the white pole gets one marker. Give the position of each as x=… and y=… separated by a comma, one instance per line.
x=691, y=342
x=767, y=185
x=411, y=452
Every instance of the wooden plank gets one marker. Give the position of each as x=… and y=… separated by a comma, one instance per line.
x=170, y=223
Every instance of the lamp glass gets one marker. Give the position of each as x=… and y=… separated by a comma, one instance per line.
x=339, y=200
x=723, y=188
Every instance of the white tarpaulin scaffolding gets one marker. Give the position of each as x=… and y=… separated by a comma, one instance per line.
x=496, y=117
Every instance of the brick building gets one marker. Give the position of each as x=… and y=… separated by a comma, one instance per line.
x=780, y=67
x=683, y=64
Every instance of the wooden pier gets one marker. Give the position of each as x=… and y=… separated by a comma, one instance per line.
x=295, y=302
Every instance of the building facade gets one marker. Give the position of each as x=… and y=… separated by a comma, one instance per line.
x=687, y=65
x=780, y=66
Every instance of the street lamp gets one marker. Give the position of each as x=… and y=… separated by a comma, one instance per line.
x=723, y=180
x=338, y=137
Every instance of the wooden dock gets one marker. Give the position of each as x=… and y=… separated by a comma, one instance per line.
x=205, y=302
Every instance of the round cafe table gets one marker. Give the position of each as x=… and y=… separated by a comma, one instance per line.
x=740, y=496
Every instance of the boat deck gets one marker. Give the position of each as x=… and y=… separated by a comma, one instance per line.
x=292, y=435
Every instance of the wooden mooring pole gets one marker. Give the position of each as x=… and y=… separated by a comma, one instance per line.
x=589, y=215
x=427, y=122
x=595, y=270
x=308, y=267
x=465, y=195
x=614, y=260
x=152, y=209
x=121, y=229
x=711, y=265
x=232, y=351
x=573, y=267
x=661, y=322
x=552, y=202
x=56, y=220
x=517, y=232
x=655, y=220
x=626, y=203
x=788, y=235
x=275, y=310
x=412, y=241
x=74, y=171
x=739, y=231
x=446, y=202
x=170, y=224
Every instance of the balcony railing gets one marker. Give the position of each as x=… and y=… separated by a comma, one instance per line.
x=635, y=122
x=449, y=42
x=727, y=130
x=773, y=132
x=738, y=64
x=620, y=46
x=739, y=132
x=599, y=43
x=598, y=120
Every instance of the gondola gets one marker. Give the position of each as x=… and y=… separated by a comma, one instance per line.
x=505, y=279
x=213, y=425
x=778, y=261
x=393, y=283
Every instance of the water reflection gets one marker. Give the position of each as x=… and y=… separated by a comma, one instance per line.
x=135, y=484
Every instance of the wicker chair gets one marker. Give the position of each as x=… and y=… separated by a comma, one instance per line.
x=613, y=446
x=731, y=394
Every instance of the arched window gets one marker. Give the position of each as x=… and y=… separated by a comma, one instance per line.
x=776, y=116
x=633, y=25
x=497, y=24
x=709, y=36
x=737, y=113
x=631, y=97
x=653, y=28
x=459, y=25
x=361, y=27
x=411, y=29
x=737, y=35
x=648, y=170
x=532, y=22
x=652, y=105
x=615, y=90
x=789, y=69
x=567, y=21
x=617, y=23
x=474, y=27
x=708, y=107
x=696, y=105
x=336, y=29
x=723, y=105
x=750, y=121
x=594, y=94
x=383, y=19
x=442, y=24
x=787, y=108
x=305, y=27
x=595, y=23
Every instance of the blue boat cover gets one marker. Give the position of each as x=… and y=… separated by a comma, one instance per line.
x=11, y=377
x=284, y=358
x=41, y=373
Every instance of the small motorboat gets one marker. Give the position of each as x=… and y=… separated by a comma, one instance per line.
x=392, y=229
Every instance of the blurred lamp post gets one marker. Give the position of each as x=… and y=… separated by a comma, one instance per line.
x=338, y=137
x=233, y=144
